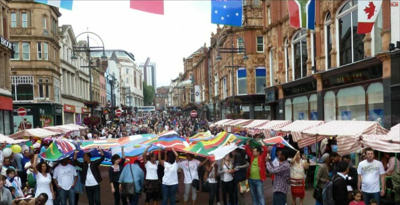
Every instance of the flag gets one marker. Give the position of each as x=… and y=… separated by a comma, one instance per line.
x=278, y=140
x=227, y=12
x=58, y=150
x=196, y=149
x=302, y=13
x=64, y=4
x=150, y=6
x=367, y=13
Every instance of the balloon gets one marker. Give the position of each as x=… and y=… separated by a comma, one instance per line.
x=7, y=152
x=16, y=148
x=29, y=143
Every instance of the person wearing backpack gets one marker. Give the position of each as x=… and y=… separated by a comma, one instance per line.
x=324, y=175
x=339, y=185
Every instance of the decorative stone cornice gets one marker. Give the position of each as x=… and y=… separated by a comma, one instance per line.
x=384, y=56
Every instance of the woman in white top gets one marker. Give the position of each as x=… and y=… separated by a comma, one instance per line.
x=170, y=179
x=225, y=171
x=43, y=180
x=297, y=176
x=151, y=184
x=211, y=177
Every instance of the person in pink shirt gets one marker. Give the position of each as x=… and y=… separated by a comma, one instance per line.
x=357, y=198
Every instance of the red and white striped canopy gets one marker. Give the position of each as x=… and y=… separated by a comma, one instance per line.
x=347, y=133
x=244, y=123
x=384, y=143
x=222, y=122
x=234, y=122
x=256, y=123
x=297, y=127
x=273, y=125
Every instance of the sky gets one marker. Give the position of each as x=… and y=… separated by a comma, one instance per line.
x=166, y=39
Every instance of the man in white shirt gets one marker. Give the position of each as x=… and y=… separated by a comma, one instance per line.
x=370, y=171
x=65, y=178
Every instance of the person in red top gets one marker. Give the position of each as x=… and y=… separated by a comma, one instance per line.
x=256, y=172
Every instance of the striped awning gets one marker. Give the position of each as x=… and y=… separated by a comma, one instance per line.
x=297, y=127
x=256, y=123
x=384, y=143
x=222, y=122
x=239, y=122
x=273, y=125
x=347, y=134
x=233, y=122
x=242, y=124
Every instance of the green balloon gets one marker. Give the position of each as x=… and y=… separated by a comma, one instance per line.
x=29, y=143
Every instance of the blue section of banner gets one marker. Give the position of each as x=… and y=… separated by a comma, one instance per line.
x=227, y=12
x=311, y=15
x=66, y=4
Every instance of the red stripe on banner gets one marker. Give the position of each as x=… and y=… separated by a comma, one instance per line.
x=294, y=13
x=364, y=27
x=150, y=6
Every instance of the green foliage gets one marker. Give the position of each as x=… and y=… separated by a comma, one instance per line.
x=148, y=94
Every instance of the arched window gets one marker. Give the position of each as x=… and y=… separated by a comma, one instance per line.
x=375, y=102
x=287, y=60
x=349, y=43
x=299, y=54
x=328, y=41
x=313, y=107
x=351, y=103
x=288, y=110
x=300, y=108
x=330, y=106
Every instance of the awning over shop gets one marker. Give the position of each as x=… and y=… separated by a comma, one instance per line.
x=234, y=122
x=256, y=123
x=37, y=132
x=347, y=134
x=384, y=143
x=297, y=127
x=273, y=125
x=222, y=122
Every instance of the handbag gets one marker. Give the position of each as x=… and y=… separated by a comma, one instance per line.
x=317, y=195
x=205, y=186
x=195, y=182
x=128, y=189
x=244, y=186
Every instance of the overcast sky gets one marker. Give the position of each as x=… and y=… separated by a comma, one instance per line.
x=166, y=39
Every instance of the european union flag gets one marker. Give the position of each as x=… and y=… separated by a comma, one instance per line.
x=227, y=12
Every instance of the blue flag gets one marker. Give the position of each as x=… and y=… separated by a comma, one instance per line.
x=227, y=12
x=64, y=4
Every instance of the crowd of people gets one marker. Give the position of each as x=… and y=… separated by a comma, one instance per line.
x=27, y=179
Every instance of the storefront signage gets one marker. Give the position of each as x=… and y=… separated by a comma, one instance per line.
x=85, y=110
x=4, y=42
x=353, y=76
x=6, y=103
x=58, y=110
x=304, y=88
x=270, y=96
x=69, y=108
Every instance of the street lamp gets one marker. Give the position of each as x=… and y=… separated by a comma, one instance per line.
x=231, y=50
x=113, y=84
x=87, y=49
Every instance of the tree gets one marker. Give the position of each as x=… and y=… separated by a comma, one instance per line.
x=148, y=94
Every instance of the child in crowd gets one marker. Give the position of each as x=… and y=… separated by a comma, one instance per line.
x=357, y=198
x=373, y=202
x=12, y=190
x=14, y=181
x=28, y=192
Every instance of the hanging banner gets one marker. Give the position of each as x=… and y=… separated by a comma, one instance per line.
x=197, y=93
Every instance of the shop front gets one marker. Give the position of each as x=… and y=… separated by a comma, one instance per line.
x=38, y=115
x=6, y=121
x=250, y=107
x=85, y=113
x=69, y=114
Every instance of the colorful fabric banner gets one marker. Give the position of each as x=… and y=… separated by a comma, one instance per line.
x=150, y=6
x=58, y=150
x=367, y=13
x=302, y=13
x=201, y=136
x=227, y=12
x=64, y=4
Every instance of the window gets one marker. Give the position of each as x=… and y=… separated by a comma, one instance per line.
x=313, y=107
x=351, y=103
x=216, y=85
x=241, y=81
x=300, y=108
x=134, y=78
x=16, y=51
x=22, y=87
x=240, y=44
x=287, y=60
x=47, y=88
x=44, y=23
x=127, y=80
x=46, y=51
x=375, y=102
x=261, y=80
x=299, y=55
x=39, y=51
x=269, y=15
x=26, y=51
x=40, y=85
x=24, y=20
x=328, y=41
x=13, y=20
x=271, y=67
x=224, y=89
x=288, y=110
x=350, y=44
x=127, y=71
x=330, y=106
x=260, y=44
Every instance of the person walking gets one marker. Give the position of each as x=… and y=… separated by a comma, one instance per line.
x=43, y=181
x=257, y=173
x=170, y=178
x=282, y=176
x=228, y=184
x=371, y=177
x=240, y=167
x=132, y=170
x=324, y=175
x=90, y=176
x=65, y=178
x=339, y=185
x=114, y=172
x=211, y=172
x=151, y=184
x=297, y=176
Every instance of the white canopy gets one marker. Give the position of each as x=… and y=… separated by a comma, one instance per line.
x=37, y=132
x=384, y=143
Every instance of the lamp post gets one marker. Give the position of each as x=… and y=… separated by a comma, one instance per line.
x=88, y=49
x=113, y=84
x=231, y=50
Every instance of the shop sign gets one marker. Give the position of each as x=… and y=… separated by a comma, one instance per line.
x=6, y=103
x=304, y=88
x=58, y=110
x=4, y=42
x=85, y=110
x=69, y=108
x=353, y=76
x=270, y=96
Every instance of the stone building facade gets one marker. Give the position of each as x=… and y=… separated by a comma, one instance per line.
x=161, y=98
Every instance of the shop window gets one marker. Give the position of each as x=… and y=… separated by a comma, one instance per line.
x=241, y=81
x=313, y=107
x=351, y=103
x=22, y=87
x=7, y=122
x=300, y=108
x=328, y=41
x=375, y=102
x=329, y=106
x=287, y=60
x=299, y=54
x=261, y=74
x=350, y=44
x=288, y=110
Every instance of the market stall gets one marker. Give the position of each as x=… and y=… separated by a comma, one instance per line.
x=385, y=143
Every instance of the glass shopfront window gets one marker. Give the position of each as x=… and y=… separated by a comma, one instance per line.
x=313, y=107
x=1, y=122
x=351, y=103
x=330, y=106
x=300, y=108
x=5, y=122
x=288, y=110
x=68, y=118
x=375, y=102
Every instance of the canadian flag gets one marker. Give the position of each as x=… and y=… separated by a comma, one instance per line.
x=367, y=13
